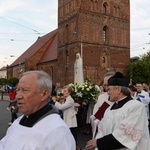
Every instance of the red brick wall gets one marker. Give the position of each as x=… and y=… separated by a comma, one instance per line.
x=84, y=22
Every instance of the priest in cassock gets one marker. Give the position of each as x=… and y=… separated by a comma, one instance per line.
x=40, y=128
x=125, y=124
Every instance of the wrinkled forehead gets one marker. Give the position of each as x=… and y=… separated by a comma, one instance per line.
x=28, y=80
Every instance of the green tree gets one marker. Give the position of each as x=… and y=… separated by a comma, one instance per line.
x=3, y=82
x=146, y=56
x=13, y=81
x=139, y=71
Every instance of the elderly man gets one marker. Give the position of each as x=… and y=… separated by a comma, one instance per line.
x=40, y=128
x=103, y=97
x=101, y=105
x=124, y=125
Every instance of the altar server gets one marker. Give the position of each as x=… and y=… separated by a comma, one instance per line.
x=124, y=125
x=40, y=128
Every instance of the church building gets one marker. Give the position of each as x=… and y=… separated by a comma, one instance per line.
x=97, y=29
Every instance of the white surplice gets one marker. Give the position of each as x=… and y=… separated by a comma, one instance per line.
x=50, y=133
x=94, y=121
x=128, y=125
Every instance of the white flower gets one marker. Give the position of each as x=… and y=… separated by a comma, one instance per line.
x=87, y=89
x=90, y=87
x=75, y=90
x=79, y=94
x=80, y=86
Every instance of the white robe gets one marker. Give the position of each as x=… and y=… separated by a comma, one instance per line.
x=145, y=99
x=101, y=99
x=50, y=133
x=128, y=125
x=69, y=113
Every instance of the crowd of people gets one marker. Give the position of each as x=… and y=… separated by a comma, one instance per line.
x=124, y=123
x=118, y=120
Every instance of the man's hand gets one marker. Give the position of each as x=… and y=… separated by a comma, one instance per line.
x=91, y=144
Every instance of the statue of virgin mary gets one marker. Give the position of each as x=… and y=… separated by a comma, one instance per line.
x=78, y=70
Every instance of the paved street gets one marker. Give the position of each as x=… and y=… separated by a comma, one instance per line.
x=5, y=117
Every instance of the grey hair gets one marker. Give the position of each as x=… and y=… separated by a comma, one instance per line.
x=111, y=73
x=124, y=90
x=44, y=81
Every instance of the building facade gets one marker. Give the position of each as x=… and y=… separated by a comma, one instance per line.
x=97, y=29
x=3, y=72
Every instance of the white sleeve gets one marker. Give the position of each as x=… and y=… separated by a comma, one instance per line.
x=100, y=130
x=132, y=127
x=66, y=105
x=145, y=99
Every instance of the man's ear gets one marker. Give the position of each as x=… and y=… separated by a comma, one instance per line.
x=119, y=89
x=45, y=94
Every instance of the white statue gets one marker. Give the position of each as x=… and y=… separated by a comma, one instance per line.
x=78, y=70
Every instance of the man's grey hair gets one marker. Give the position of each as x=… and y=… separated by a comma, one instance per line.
x=124, y=90
x=111, y=73
x=44, y=81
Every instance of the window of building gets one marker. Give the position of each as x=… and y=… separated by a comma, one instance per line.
x=103, y=60
x=104, y=8
x=67, y=57
x=105, y=33
x=66, y=34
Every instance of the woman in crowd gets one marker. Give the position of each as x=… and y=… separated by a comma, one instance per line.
x=68, y=108
x=13, y=106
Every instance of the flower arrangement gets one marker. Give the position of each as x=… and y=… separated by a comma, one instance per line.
x=85, y=92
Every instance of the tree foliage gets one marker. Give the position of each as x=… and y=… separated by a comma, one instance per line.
x=139, y=71
x=13, y=81
x=3, y=81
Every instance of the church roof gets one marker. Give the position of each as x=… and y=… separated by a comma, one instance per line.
x=50, y=54
x=3, y=68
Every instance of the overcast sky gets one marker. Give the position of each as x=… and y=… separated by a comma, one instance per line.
x=23, y=21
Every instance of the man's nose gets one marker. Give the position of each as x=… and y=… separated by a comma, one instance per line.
x=18, y=95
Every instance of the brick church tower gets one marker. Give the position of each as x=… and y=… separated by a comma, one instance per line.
x=101, y=28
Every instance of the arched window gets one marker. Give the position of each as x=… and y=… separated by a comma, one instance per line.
x=105, y=33
x=104, y=8
x=103, y=60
